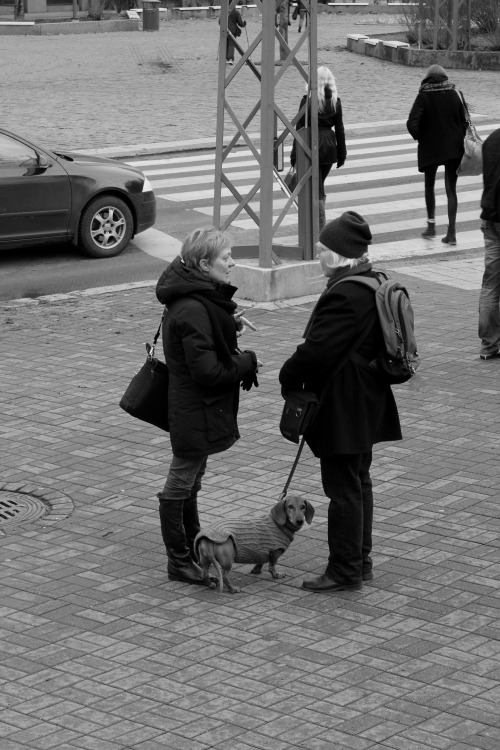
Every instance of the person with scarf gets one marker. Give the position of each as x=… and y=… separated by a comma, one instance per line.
x=489, y=297
x=206, y=368
x=438, y=122
x=357, y=409
x=331, y=137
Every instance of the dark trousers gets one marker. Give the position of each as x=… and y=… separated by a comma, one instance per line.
x=347, y=482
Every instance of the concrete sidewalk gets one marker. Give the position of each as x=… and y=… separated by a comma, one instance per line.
x=100, y=651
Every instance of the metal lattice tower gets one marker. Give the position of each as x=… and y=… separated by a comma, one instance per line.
x=269, y=76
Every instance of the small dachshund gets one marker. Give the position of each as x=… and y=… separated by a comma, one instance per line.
x=251, y=540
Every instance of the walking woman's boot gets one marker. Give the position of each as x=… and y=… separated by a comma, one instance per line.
x=322, y=213
x=450, y=237
x=431, y=229
x=181, y=566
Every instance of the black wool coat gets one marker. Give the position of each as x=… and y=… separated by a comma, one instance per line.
x=358, y=410
x=331, y=135
x=203, y=394
x=490, y=199
x=437, y=121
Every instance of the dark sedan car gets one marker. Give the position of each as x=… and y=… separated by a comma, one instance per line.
x=50, y=196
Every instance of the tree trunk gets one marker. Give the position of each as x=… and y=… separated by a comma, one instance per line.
x=18, y=10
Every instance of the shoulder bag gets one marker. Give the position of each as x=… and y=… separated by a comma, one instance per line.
x=146, y=397
x=472, y=160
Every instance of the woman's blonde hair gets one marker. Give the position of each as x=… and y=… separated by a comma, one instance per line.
x=325, y=78
x=206, y=243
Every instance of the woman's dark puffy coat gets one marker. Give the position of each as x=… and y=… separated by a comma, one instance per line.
x=358, y=410
x=203, y=394
x=437, y=121
x=331, y=143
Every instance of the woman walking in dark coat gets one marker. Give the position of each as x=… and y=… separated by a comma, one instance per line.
x=206, y=368
x=331, y=136
x=437, y=121
x=358, y=409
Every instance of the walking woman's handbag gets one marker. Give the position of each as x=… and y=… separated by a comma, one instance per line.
x=472, y=160
x=146, y=397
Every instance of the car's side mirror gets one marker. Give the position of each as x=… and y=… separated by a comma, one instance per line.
x=43, y=162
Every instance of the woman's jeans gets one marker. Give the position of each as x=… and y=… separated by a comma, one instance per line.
x=184, y=478
x=346, y=481
x=489, y=297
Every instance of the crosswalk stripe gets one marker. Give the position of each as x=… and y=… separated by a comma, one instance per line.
x=380, y=180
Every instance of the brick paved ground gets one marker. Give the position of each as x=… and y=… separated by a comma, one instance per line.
x=98, y=650
x=96, y=90
x=101, y=652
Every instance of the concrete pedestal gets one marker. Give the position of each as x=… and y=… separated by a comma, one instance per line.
x=287, y=281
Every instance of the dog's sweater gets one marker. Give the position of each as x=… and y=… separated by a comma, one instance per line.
x=253, y=538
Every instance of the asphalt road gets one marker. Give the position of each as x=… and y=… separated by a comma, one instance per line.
x=62, y=268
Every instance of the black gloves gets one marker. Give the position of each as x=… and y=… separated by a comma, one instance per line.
x=250, y=378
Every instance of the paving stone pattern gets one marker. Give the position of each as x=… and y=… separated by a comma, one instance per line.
x=99, y=90
x=100, y=652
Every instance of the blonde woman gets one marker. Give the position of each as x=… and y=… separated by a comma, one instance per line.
x=331, y=136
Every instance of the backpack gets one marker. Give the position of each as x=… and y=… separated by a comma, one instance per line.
x=399, y=358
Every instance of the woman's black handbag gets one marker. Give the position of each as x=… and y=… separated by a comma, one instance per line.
x=146, y=397
x=298, y=413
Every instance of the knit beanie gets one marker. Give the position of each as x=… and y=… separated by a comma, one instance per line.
x=349, y=235
x=436, y=71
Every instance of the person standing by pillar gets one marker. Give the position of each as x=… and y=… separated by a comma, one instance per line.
x=234, y=24
x=489, y=297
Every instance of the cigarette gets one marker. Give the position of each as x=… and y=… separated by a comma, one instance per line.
x=247, y=323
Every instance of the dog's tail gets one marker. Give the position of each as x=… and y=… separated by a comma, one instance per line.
x=205, y=551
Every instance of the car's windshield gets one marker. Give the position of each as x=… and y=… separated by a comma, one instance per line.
x=14, y=153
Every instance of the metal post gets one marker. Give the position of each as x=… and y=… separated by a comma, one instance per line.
x=267, y=136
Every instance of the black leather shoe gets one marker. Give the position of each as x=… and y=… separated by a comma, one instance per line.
x=326, y=583
x=367, y=575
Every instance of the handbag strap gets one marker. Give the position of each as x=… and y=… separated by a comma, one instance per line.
x=151, y=349
x=466, y=108
x=363, y=335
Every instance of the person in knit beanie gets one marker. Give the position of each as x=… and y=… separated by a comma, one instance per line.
x=356, y=409
x=438, y=122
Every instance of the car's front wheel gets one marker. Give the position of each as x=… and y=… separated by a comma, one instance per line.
x=106, y=227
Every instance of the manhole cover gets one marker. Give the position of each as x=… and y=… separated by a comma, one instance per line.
x=18, y=508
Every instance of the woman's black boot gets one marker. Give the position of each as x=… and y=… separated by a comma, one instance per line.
x=191, y=522
x=181, y=566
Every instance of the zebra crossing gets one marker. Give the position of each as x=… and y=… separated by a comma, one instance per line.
x=379, y=180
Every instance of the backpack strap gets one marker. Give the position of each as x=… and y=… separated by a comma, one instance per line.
x=373, y=284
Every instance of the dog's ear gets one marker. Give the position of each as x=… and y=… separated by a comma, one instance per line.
x=278, y=513
x=309, y=512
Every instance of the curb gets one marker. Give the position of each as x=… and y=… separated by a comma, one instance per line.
x=199, y=144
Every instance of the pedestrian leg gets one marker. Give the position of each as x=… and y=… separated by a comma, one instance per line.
x=489, y=297
x=450, y=183
x=430, y=203
x=342, y=484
